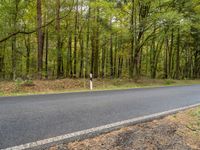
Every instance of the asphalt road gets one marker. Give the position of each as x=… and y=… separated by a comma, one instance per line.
x=31, y=118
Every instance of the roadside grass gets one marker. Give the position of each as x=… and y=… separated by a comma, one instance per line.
x=32, y=87
x=189, y=126
x=178, y=132
x=1, y=93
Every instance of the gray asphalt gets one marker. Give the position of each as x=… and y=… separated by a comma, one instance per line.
x=31, y=118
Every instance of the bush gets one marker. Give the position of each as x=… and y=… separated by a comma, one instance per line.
x=19, y=82
x=28, y=83
x=169, y=82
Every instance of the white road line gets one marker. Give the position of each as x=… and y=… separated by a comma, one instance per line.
x=98, y=130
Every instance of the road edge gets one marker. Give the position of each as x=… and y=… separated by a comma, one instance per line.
x=92, y=132
x=97, y=90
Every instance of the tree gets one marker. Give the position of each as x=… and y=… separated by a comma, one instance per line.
x=40, y=38
x=111, y=39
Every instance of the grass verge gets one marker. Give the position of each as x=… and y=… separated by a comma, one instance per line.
x=175, y=132
x=10, y=88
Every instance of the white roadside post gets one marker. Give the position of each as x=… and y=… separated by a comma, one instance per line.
x=91, y=84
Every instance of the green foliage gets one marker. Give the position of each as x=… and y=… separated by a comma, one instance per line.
x=158, y=39
x=20, y=82
x=28, y=83
x=169, y=82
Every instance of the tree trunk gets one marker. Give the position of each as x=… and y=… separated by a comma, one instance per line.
x=82, y=57
x=28, y=49
x=111, y=55
x=133, y=36
x=70, y=73
x=87, y=44
x=75, y=36
x=178, y=55
x=40, y=39
x=59, y=46
x=166, y=58
x=14, y=42
x=170, y=54
x=47, y=53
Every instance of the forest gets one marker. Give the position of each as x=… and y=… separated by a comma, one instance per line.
x=53, y=39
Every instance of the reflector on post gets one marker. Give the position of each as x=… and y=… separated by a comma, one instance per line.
x=91, y=85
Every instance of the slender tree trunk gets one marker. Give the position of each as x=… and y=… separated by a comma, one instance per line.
x=14, y=57
x=59, y=45
x=47, y=53
x=2, y=60
x=96, y=61
x=115, y=57
x=178, y=55
x=2, y=65
x=14, y=41
x=82, y=57
x=82, y=49
x=170, y=54
x=87, y=43
x=75, y=36
x=70, y=55
x=103, y=62
x=95, y=44
x=111, y=55
x=166, y=58
x=133, y=36
x=28, y=49
x=40, y=38
x=153, y=56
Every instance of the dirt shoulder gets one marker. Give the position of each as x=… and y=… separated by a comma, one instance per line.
x=176, y=132
x=19, y=87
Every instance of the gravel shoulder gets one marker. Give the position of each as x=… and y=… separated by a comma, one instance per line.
x=177, y=132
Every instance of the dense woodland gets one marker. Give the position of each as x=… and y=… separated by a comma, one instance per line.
x=49, y=39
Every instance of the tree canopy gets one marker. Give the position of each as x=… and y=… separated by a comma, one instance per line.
x=109, y=38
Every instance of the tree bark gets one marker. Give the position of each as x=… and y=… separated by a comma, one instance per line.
x=59, y=46
x=28, y=49
x=75, y=37
x=40, y=38
x=178, y=55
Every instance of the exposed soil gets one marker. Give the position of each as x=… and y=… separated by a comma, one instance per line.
x=177, y=132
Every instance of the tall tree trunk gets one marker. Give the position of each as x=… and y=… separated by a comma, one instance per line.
x=153, y=55
x=111, y=54
x=14, y=41
x=95, y=45
x=170, y=54
x=70, y=72
x=2, y=64
x=81, y=43
x=2, y=60
x=87, y=44
x=178, y=55
x=75, y=37
x=166, y=57
x=96, y=61
x=103, y=62
x=82, y=57
x=40, y=38
x=28, y=49
x=133, y=36
x=59, y=45
x=14, y=57
x=47, y=53
x=115, y=58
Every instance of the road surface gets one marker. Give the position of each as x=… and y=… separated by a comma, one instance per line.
x=28, y=119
